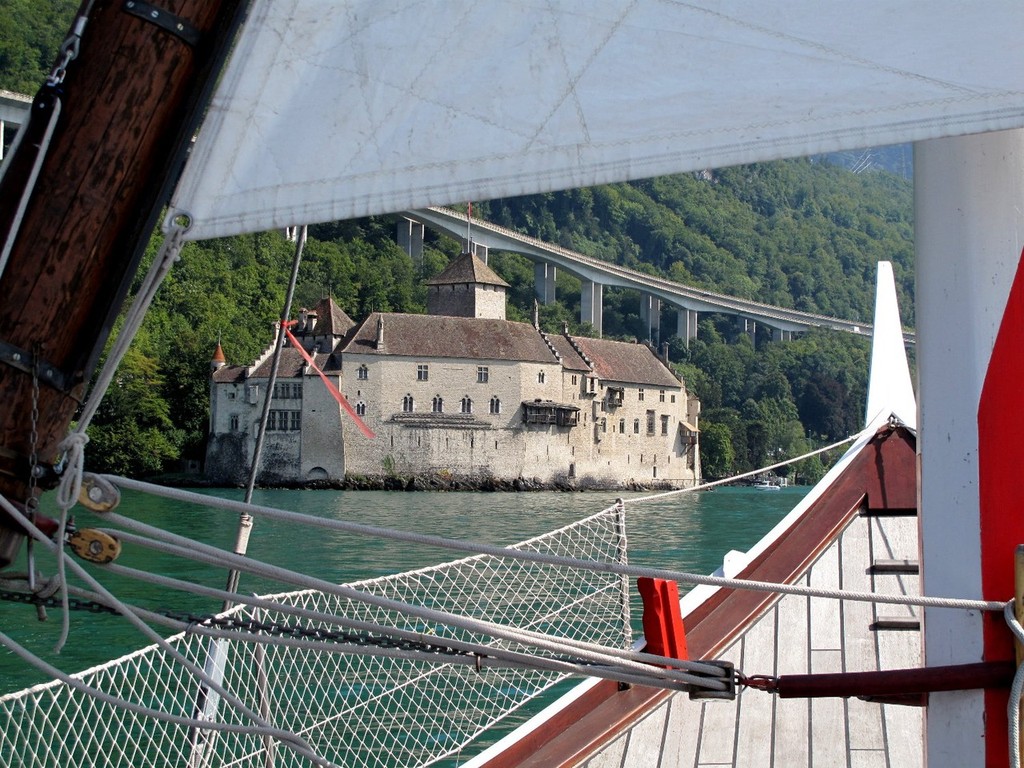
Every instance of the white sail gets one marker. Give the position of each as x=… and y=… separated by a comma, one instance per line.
x=331, y=110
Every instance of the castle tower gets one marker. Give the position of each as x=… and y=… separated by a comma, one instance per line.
x=467, y=288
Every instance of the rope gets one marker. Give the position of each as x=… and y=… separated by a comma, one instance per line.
x=169, y=253
x=751, y=473
x=1016, y=690
x=285, y=737
x=184, y=547
x=293, y=741
x=471, y=547
x=30, y=184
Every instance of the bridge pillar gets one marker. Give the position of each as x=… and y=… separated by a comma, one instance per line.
x=748, y=327
x=409, y=236
x=686, y=325
x=780, y=335
x=591, y=308
x=650, y=315
x=544, y=275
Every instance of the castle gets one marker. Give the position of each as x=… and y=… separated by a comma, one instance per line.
x=458, y=392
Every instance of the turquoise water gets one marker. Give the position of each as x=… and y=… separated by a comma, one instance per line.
x=689, y=532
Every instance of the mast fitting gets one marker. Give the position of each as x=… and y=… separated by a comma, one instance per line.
x=164, y=19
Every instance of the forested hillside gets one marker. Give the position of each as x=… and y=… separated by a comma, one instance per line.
x=797, y=233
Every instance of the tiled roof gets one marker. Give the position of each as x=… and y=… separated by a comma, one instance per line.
x=467, y=269
x=455, y=337
x=291, y=367
x=229, y=374
x=571, y=359
x=625, y=362
x=331, y=320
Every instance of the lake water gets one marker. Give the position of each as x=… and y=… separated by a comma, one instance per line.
x=688, y=532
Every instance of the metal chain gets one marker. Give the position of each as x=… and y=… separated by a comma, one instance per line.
x=70, y=47
x=231, y=623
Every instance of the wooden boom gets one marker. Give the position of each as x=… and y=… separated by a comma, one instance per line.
x=129, y=105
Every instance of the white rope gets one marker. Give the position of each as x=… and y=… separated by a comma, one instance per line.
x=30, y=184
x=169, y=253
x=744, y=475
x=539, y=557
x=184, y=547
x=73, y=447
x=1016, y=690
x=253, y=601
x=285, y=737
x=294, y=741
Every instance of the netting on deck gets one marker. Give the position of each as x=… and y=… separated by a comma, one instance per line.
x=354, y=710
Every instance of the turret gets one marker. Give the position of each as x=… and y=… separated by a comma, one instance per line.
x=218, y=361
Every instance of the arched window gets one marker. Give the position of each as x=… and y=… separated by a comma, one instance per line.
x=467, y=405
x=438, y=404
x=360, y=408
x=407, y=404
x=495, y=405
x=363, y=372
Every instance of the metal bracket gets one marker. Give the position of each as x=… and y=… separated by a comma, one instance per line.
x=166, y=20
x=729, y=678
x=49, y=374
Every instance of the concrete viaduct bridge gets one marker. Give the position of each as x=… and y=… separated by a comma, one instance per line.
x=594, y=274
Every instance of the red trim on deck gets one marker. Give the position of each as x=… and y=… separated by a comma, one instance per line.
x=1001, y=498
x=882, y=476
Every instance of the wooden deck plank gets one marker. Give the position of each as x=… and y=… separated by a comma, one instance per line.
x=828, y=732
x=681, y=733
x=792, y=716
x=868, y=758
x=756, y=720
x=904, y=727
x=718, y=740
x=825, y=622
x=644, y=740
x=613, y=756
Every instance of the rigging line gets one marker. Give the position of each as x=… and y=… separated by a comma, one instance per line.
x=169, y=253
x=1016, y=690
x=751, y=473
x=30, y=183
x=466, y=654
x=245, y=521
x=478, y=548
x=262, y=602
x=181, y=546
x=197, y=672
x=285, y=737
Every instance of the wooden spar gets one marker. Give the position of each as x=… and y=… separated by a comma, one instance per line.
x=897, y=682
x=129, y=106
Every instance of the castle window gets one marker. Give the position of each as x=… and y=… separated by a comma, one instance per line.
x=495, y=405
x=407, y=404
x=622, y=426
x=636, y=426
x=295, y=422
x=438, y=404
x=540, y=377
x=233, y=422
x=673, y=398
x=272, y=421
x=467, y=405
x=575, y=379
x=640, y=394
x=360, y=408
x=482, y=374
x=362, y=373
x=422, y=373
x=664, y=424
x=650, y=422
x=231, y=395
x=661, y=396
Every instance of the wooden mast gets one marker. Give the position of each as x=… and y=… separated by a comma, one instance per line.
x=128, y=108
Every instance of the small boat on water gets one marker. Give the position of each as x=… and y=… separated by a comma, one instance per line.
x=326, y=111
x=766, y=485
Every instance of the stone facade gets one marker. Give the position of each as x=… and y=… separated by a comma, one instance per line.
x=460, y=395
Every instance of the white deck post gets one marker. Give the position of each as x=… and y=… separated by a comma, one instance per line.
x=969, y=224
